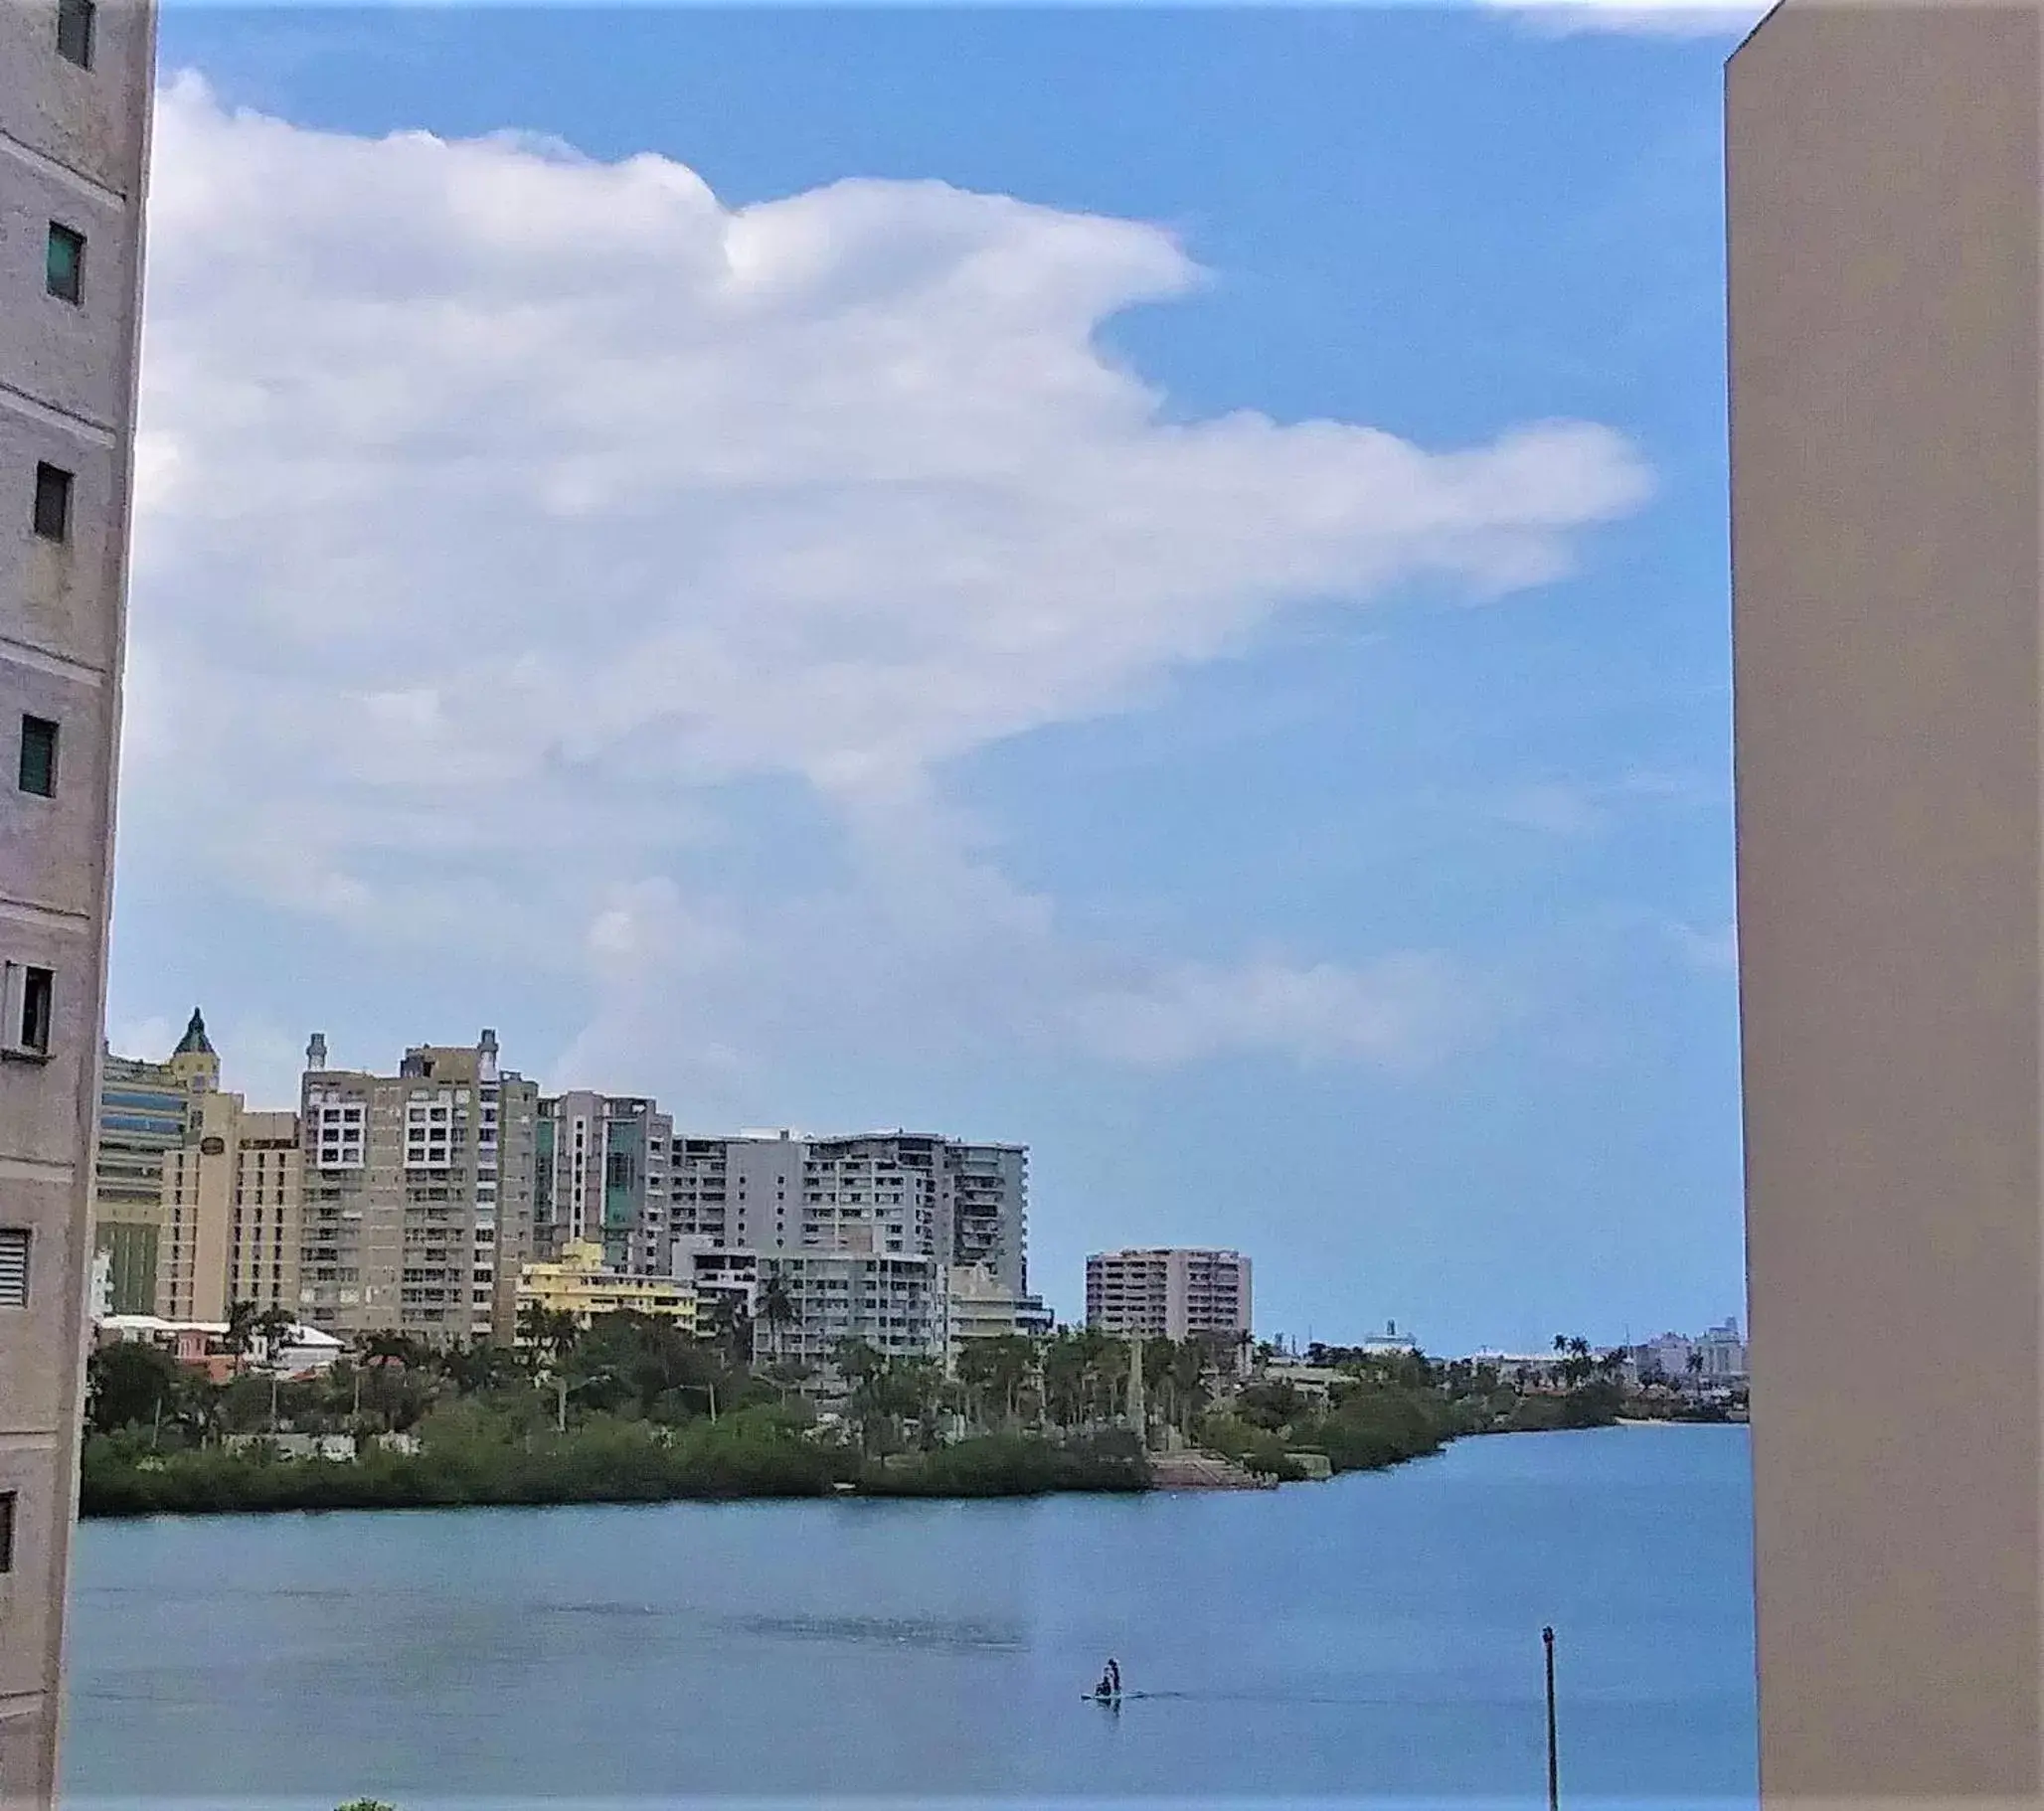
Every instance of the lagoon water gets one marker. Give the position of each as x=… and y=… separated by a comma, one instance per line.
x=1376, y=1639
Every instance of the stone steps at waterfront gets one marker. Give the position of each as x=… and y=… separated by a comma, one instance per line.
x=1197, y=1470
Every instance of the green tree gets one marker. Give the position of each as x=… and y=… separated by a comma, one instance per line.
x=134, y=1385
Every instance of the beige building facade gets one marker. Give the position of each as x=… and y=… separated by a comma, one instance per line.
x=74, y=90
x=1171, y=1292
x=231, y=1197
x=417, y=1210
x=1886, y=185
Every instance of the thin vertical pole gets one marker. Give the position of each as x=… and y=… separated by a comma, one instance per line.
x=1554, y=1774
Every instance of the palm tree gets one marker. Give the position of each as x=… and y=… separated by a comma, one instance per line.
x=778, y=1311
x=240, y=1328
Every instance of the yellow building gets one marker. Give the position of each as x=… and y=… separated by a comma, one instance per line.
x=577, y=1283
x=231, y=1199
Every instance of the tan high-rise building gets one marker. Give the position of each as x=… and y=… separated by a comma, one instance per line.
x=76, y=80
x=1886, y=186
x=231, y=1213
x=1171, y=1292
x=418, y=1195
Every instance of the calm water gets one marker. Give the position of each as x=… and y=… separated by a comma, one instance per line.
x=1375, y=1638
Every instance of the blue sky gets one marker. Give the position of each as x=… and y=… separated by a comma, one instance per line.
x=1306, y=840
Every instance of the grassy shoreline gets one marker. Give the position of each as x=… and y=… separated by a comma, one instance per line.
x=765, y=1457
x=621, y=1463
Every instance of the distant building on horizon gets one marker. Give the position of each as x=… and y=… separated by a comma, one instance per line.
x=1171, y=1292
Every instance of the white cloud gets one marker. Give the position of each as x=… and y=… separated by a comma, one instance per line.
x=498, y=505
x=1401, y=1013
x=153, y=1038
x=1714, y=948
x=1655, y=18
x=1583, y=808
x=1553, y=807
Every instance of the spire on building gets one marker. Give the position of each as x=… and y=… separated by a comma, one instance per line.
x=194, y=1041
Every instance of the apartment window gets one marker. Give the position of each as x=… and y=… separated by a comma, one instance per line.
x=25, y=1029
x=64, y=271
x=7, y=1503
x=74, y=20
x=14, y=1268
x=53, y=502
x=39, y=756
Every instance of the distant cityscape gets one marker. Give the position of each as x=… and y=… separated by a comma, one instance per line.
x=444, y=1200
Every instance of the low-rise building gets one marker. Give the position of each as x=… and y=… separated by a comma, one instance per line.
x=580, y=1284
x=895, y=1303
x=980, y=1305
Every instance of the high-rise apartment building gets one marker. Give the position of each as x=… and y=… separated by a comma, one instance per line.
x=886, y=1193
x=1174, y=1293
x=601, y=1177
x=75, y=82
x=233, y=1192
x=74, y=131
x=418, y=1195
x=146, y=1110
x=1886, y=201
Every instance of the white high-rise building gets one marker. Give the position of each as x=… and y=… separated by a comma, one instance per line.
x=75, y=82
x=924, y=1207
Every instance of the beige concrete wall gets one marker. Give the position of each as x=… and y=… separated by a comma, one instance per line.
x=72, y=150
x=1884, y=192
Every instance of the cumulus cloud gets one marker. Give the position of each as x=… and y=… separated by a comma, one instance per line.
x=498, y=506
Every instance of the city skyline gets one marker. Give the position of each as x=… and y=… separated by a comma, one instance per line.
x=1343, y=873
x=170, y=1123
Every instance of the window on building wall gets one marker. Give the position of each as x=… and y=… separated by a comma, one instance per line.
x=74, y=22
x=38, y=769
x=14, y=1268
x=27, y=1006
x=52, y=513
x=65, y=267
x=8, y=1500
